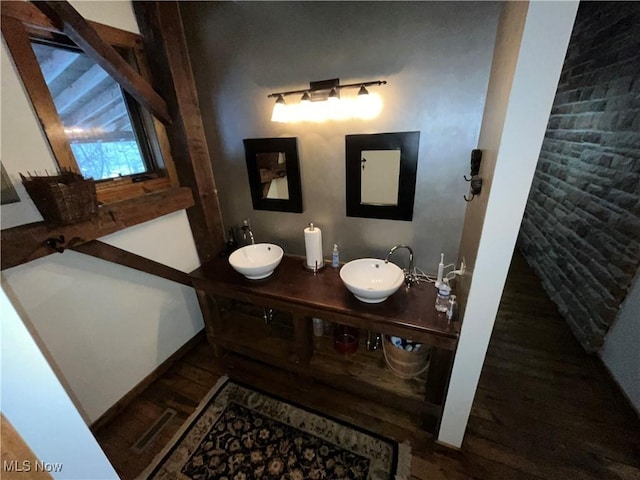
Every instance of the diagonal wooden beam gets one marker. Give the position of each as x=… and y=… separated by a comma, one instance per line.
x=67, y=18
x=104, y=251
x=34, y=19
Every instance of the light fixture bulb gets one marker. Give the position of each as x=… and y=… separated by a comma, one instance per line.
x=363, y=91
x=367, y=107
x=280, y=112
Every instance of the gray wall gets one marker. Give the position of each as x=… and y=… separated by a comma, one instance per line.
x=581, y=228
x=436, y=58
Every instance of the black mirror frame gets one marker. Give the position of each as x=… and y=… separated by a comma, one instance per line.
x=253, y=146
x=407, y=143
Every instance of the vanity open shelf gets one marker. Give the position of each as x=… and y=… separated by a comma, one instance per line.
x=232, y=307
x=367, y=366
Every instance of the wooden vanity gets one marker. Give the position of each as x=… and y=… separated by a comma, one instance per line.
x=232, y=307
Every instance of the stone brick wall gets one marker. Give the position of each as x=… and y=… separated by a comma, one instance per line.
x=581, y=227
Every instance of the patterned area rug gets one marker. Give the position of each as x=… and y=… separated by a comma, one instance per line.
x=239, y=433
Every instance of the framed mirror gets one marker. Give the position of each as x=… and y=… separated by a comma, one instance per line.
x=274, y=174
x=381, y=173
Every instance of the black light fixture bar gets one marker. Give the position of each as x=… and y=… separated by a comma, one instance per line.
x=327, y=85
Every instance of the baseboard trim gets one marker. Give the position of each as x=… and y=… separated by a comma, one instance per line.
x=445, y=447
x=132, y=394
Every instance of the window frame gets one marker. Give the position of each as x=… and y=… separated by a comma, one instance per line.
x=21, y=25
x=144, y=136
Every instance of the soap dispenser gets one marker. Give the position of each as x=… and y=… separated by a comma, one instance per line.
x=231, y=245
x=335, y=256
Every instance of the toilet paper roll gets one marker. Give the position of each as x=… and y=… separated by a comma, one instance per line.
x=313, y=246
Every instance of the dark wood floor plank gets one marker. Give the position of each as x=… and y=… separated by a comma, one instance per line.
x=437, y=467
x=512, y=414
x=523, y=462
x=350, y=408
x=197, y=374
x=566, y=451
x=493, y=469
x=553, y=360
x=543, y=386
x=543, y=400
x=544, y=408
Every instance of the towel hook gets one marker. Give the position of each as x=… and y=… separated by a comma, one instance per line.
x=55, y=243
x=476, y=188
x=474, y=167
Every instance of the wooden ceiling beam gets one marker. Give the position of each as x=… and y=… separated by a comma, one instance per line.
x=93, y=107
x=123, y=125
x=57, y=63
x=117, y=111
x=116, y=115
x=82, y=86
x=83, y=34
x=104, y=137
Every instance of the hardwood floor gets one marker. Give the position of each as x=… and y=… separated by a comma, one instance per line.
x=543, y=406
x=544, y=409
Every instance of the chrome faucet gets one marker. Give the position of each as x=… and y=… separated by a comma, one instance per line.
x=409, y=276
x=246, y=231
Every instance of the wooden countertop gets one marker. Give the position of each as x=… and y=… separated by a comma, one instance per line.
x=411, y=308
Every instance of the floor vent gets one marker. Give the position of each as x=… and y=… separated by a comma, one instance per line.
x=147, y=437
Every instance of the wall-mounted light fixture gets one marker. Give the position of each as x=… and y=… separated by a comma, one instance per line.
x=323, y=100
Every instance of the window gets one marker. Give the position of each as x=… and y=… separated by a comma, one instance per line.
x=93, y=126
x=99, y=118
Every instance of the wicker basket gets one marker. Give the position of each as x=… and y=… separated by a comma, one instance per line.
x=63, y=199
x=405, y=364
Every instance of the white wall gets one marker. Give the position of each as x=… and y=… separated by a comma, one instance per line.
x=104, y=327
x=530, y=49
x=621, y=349
x=117, y=13
x=40, y=410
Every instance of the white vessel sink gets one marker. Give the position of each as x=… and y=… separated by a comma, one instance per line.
x=371, y=280
x=256, y=261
